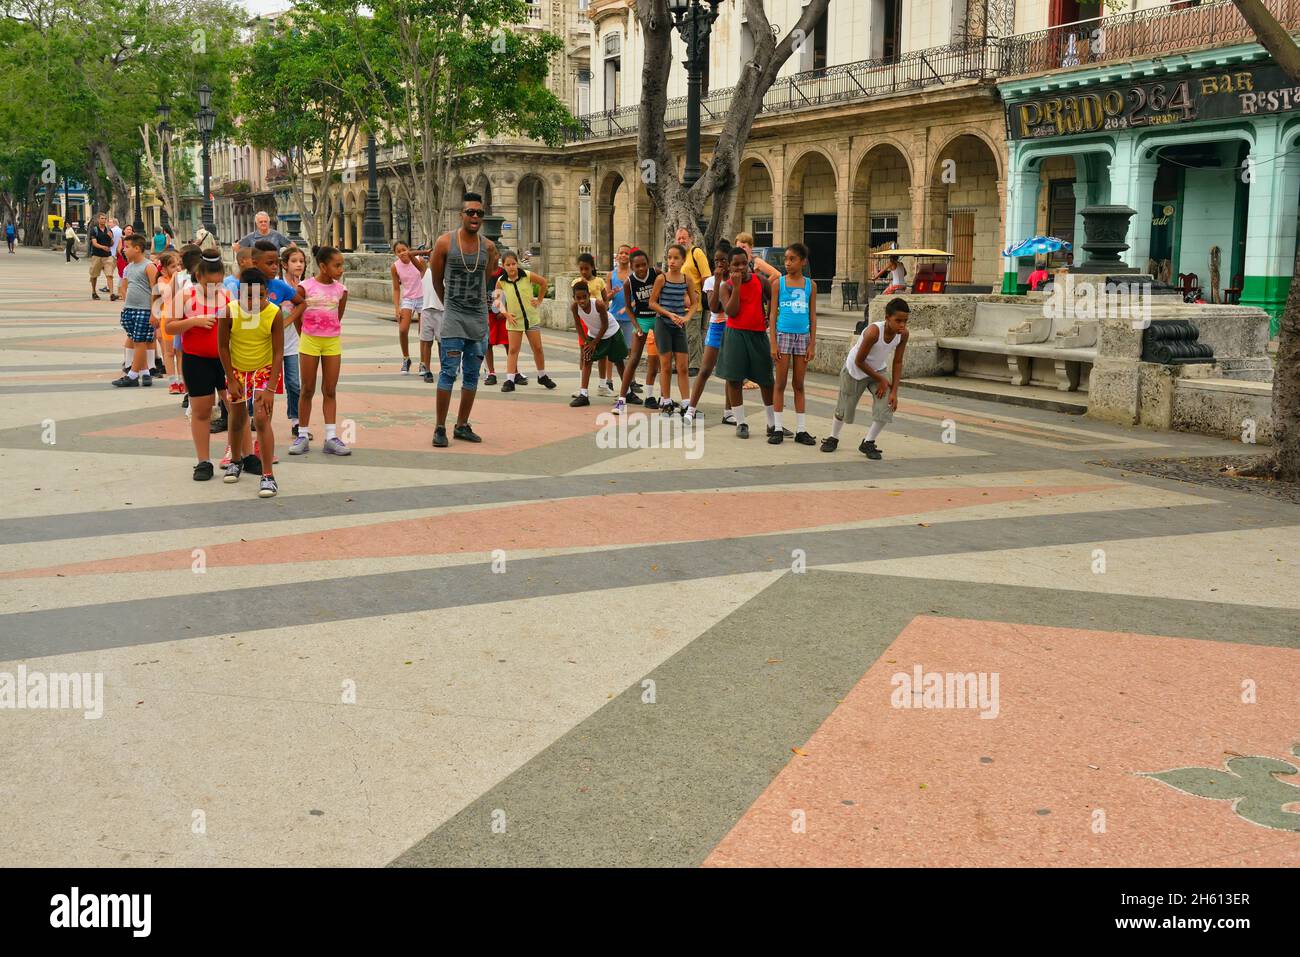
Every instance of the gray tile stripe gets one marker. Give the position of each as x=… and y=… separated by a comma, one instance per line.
x=145, y=620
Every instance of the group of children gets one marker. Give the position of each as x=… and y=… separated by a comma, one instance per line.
x=760, y=330
x=234, y=342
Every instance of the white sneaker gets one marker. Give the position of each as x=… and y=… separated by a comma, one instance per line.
x=604, y=390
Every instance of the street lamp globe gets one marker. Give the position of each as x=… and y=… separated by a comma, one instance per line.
x=205, y=96
x=164, y=112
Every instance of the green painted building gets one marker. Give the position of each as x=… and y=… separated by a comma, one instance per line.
x=1202, y=144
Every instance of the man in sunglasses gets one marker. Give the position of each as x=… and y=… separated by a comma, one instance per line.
x=461, y=262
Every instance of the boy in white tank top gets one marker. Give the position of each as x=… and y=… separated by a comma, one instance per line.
x=875, y=361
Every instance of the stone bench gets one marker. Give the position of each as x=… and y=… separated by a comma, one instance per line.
x=1017, y=339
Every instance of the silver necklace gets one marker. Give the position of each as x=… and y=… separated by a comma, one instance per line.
x=460, y=250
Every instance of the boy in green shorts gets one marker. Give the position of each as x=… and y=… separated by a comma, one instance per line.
x=598, y=335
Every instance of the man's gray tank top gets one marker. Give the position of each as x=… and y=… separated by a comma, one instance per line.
x=465, y=284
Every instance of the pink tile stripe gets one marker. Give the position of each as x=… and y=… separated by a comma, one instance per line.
x=1082, y=715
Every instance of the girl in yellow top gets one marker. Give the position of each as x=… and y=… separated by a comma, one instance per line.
x=521, y=303
x=250, y=340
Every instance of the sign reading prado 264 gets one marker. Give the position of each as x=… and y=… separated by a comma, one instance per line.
x=1167, y=100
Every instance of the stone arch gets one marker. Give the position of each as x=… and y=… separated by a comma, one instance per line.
x=962, y=208
x=532, y=197
x=811, y=212
x=755, y=200
x=996, y=149
x=483, y=186
x=614, y=219
x=880, y=189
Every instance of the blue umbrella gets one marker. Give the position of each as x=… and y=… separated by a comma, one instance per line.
x=1037, y=245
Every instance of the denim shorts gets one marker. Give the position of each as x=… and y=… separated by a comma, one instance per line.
x=713, y=334
x=463, y=356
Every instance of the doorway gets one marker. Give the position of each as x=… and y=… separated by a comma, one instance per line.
x=819, y=236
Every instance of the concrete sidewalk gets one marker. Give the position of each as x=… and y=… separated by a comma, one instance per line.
x=571, y=645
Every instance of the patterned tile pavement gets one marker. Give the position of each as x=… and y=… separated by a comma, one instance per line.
x=542, y=650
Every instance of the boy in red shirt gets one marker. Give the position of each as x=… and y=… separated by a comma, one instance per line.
x=746, y=352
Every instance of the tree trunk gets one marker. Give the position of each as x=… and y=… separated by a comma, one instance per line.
x=1285, y=460
x=33, y=228
x=674, y=203
x=121, y=191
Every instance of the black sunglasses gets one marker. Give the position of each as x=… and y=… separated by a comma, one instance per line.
x=472, y=212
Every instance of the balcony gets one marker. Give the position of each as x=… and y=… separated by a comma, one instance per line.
x=865, y=79
x=1177, y=28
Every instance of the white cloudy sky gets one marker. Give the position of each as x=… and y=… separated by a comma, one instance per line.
x=264, y=6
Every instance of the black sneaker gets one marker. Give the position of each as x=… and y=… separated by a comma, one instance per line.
x=427, y=375
x=126, y=382
x=546, y=381
x=633, y=399
x=830, y=444
x=771, y=430
x=490, y=379
x=159, y=368
x=742, y=430
x=521, y=379
x=185, y=402
x=440, y=438
x=252, y=465
x=406, y=365
x=651, y=402
x=294, y=430
x=803, y=438
x=203, y=472
x=146, y=378
x=94, y=295
x=579, y=401
x=466, y=433
x=635, y=387
x=774, y=437
x=693, y=372
x=233, y=471
x=728, y=419
x=869, y=449
x=508, y=386
x=217, y=425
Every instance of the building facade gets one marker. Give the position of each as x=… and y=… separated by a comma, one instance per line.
x=1171, y=110
x=883, y=128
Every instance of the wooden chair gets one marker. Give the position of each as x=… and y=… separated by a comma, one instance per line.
x=1233, y=293
x=1189, y=284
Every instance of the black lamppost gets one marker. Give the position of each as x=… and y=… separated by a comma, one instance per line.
x=372, y=228
x=693, y=21
x=205, y=119
x=138, y=224
x=164, y=136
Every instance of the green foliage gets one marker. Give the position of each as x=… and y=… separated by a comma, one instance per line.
x=74, y=76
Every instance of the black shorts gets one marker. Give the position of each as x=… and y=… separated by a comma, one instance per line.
x=745, y=355
x=203, y=376
x=669, y=337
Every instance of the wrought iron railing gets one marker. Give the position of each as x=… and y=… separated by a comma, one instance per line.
x=1176, y=28
x=919, y=69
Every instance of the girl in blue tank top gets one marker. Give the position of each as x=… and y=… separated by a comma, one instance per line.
x=794, y=340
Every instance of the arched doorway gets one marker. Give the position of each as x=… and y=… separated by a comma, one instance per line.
x=811, y=214
x=963, y=214
x=754, y=209
x=613, y=218
x=880, y=207
x=532, y=213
